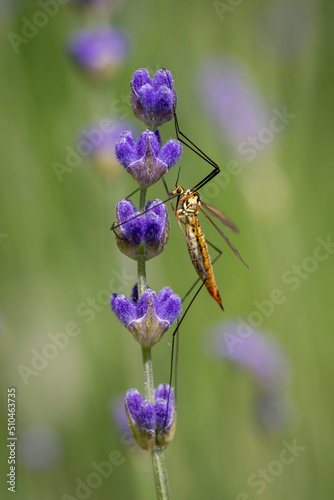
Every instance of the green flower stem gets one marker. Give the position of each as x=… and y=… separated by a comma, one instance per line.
x=141, y=251
x=158, y=459
x=160, y=475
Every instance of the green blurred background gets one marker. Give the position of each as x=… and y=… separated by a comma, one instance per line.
x=56, y=251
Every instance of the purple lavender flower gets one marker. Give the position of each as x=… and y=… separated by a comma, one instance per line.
x=258, y=353
x=148, y=318
x=99, y=140
x=153, y=101
x=147, y=160
x=100, y=50
x=150, y=423
x=231, y=99
x=152, y=228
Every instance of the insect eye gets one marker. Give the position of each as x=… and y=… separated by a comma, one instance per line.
x=178, y=191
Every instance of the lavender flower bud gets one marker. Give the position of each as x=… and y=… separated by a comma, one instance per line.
x=149, y=317
x=153, y=101
x=152, y=228
x=147, y=160
x=99, y=51
x=147, y=421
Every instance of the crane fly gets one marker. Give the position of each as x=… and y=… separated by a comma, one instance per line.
x=190, y=203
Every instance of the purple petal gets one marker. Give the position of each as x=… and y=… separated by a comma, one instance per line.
x=169, y=305
x=143, y=304
x=170, y=153
x=147, y=97
x=161, y=394
x=133, y=401
x=126, y=149
x=123, y=308
x=140, y=78
x=146, y=416
x=147, y=145
x=163, y=77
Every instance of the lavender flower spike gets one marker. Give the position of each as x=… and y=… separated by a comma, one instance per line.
x=150, y=423
x=150, y=317
x=152, y=228
x=99, y=51
x=147, y=160
x=153, y=101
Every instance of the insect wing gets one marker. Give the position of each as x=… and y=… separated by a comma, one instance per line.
x=224, y=219
x=226, y=239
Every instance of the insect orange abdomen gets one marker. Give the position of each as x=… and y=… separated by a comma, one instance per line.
x=199, y=253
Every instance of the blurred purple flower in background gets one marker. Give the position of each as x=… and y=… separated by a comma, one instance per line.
x=39, y=448
x=262, y=357
x=98, y=141
x=231, y=99
x=260, y=354
x=118, y=414
x=100, y=50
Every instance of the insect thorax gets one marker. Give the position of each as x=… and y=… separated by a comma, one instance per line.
x=190, y=201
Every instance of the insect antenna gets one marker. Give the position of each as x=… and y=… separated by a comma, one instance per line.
x=177, y=178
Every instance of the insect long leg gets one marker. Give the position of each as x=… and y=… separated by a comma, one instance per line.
x=175, y=334
x=134, y=192
x=177, y=347
x=193, y=147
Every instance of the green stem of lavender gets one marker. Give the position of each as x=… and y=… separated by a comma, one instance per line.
x=158, y=459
